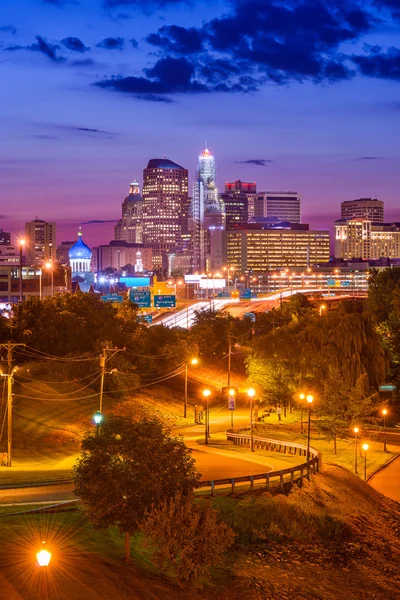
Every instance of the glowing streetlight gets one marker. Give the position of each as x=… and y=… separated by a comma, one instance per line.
x=43, y=556
x=206, y=394
x=193, y=362
x=309, y=399
x=98, y=418
x=251, y=393
x=365, y=448
x=356, y=430
x=321, y=308
x=384, y=413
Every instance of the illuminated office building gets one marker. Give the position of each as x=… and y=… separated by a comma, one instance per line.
x=283, y=206
x=40, y=242
x=363, y=208
x=129, y=227
x=257, y=249
x=207, y=210
x=361, y=238
x=165, y=199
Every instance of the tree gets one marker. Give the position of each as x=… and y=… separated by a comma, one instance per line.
x=381, y=286
x=129, y=468
x=186, y=534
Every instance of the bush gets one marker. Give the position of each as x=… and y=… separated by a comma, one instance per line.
x=185, y=534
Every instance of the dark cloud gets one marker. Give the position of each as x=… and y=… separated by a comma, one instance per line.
x=8, y=29
x=74, y=44
x=98, y=221
x=134, y=43
x=380, y=64
x=42, y=46
x=179, y=40
x=392, y=5
x=84, y=62
x=112, y=43
x=370, y=158
x=259, y=162
x=147, y=5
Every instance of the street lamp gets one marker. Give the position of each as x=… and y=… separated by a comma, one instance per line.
x=251, y=393
x=206, y=394
x=321, y=308
x=194, y=361
x=21, y=245
x=43, y=557
x=49, y=265
x=302, y=397
x=98, y=418
x=365, y=448
x=356, y=430
x=384, y=412
x=309, y=399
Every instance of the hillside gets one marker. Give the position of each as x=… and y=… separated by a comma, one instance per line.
x=335, y=538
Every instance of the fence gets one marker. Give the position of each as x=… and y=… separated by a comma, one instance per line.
x=283, y=477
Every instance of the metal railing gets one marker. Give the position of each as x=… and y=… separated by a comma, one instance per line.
x=284, y=477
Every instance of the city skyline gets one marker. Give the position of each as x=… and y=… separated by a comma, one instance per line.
x=96, y=89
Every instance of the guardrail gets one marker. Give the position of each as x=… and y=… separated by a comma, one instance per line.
x=284, y=477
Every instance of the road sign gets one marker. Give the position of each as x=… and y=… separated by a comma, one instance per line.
x=331, y=282
x=165, y=301
x=231, y=402
x=345, y=284
x=148, y=318
x=142, y=299
x=112, y=298
x=387, y=388
x=246, y=294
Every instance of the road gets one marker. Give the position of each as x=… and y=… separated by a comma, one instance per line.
x=387, y=481
x=213, y=463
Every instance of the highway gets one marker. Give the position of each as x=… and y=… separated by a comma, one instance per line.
x=185, y=318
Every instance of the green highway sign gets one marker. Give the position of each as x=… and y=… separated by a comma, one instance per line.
x=142, y=299
x=165, y=301
x=112, y=298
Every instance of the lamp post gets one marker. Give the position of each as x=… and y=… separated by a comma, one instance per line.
x=98, y=418
x=356, y=430
x=321, y=308
x=384, y=413
x=21, y=245
x=194, y=361
x=309, y=399
x=251, y=393
x=365, y=448
x=206, y=394
x=43, y=558
x=49, y=265
x=302, y=397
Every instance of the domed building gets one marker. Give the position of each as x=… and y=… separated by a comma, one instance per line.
x=80, y=258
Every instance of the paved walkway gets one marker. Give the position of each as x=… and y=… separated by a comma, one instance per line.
x=387, y=481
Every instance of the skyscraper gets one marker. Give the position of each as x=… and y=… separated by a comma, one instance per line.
x=283, y=206
x=165, y=195
x=207, y=209
x=129, y=228
x=363, y=208
x=40, y=241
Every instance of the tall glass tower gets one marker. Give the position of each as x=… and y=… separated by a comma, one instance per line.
x=207, y=210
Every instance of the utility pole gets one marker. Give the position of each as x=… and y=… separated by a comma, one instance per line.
x=9, y=346
x=229, y=358
x=103, y=360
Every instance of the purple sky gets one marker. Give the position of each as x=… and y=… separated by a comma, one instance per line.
x=311, y=88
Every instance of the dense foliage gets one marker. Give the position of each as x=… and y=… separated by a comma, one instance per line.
x=129, y=468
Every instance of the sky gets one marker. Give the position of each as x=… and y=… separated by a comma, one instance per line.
x=300, y=95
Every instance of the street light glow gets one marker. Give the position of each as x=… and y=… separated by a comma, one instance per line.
x=231, y=392
x=43, y=557
x=384, y=412
x=98, y=417
x=22, y=242
x=251, y=392
x=365, y=447
x=302, y=396
x=309, y=398
x=194, y=361
x=356, y=430
x=206, y=393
